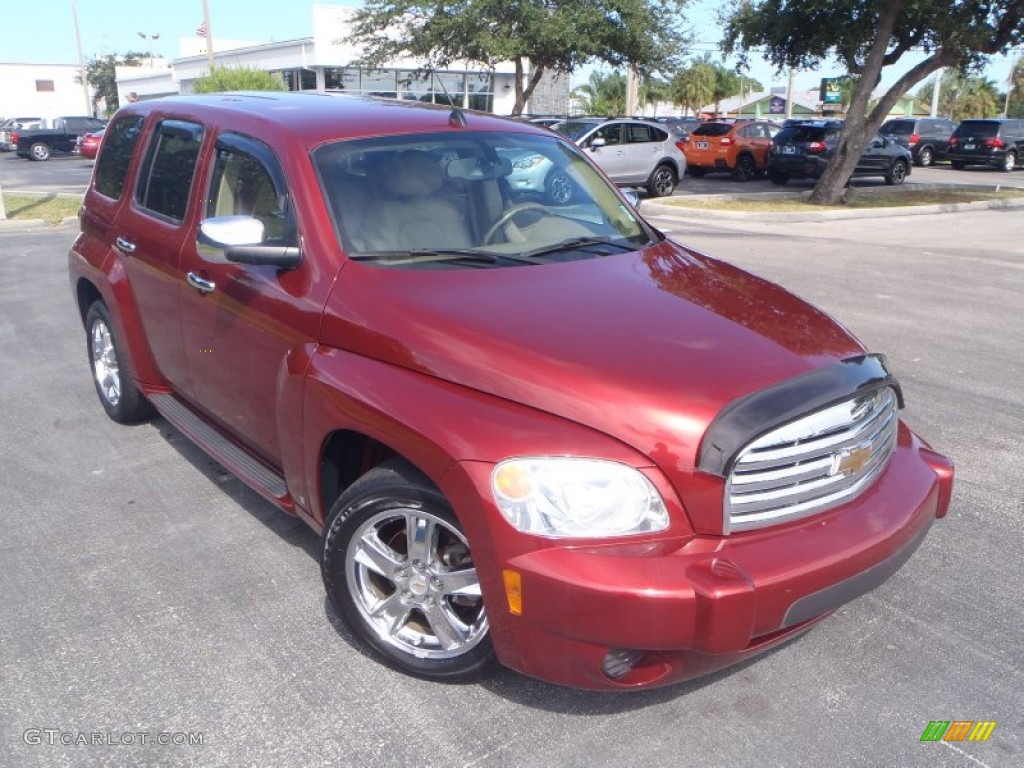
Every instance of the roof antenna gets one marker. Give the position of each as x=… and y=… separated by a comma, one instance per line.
x=457, y=119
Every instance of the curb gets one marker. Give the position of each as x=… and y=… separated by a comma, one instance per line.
x=682, y=212
x=9, y=225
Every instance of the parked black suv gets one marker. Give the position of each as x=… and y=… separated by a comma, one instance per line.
x=802, y=151
x=927, y=138
x=995, y=142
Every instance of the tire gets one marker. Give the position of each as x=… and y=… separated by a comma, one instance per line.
x=662, y=182
x=745, y=168
x=39, y=151
x=957, y=165
x=696, y=171
x=112, y=372
x=897, y=173
x=558, y=187
x=421, y=611
x=777, y=177
x=925, y=157
x=1009, y=162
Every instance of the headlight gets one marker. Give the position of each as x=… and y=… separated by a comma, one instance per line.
x=583, y=498
x=528, y=162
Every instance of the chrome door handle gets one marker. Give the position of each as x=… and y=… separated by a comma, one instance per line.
x=200, y=284
x=125, y=245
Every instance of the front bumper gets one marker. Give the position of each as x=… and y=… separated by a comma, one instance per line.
x=691, y=607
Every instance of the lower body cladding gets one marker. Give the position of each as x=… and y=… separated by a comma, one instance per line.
x=639, y=615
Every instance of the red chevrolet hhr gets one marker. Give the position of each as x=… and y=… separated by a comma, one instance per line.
x=530, y=428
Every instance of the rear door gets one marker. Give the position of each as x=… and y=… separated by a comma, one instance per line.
x=149, y=234
x=644, y=147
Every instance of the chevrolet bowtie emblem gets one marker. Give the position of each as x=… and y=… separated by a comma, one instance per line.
x=851, y=461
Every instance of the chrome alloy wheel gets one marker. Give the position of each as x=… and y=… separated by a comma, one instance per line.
x=105, y=367
x=413, y=580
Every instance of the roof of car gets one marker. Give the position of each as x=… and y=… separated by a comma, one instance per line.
x=315, y=118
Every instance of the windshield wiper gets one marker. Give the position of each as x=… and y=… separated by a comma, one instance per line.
x=576, y=243
x=422, y=255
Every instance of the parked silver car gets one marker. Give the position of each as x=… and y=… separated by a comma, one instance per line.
x=633, y=153
x=16, y=124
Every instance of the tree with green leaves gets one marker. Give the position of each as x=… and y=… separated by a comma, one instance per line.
x=867, y=36
x=1015, y=103
x=694, y=86
x=101, y=77
x=549, y=35
x=237, y=79
x=602, y=94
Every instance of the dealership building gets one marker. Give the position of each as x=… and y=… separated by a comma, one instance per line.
x=327, y=62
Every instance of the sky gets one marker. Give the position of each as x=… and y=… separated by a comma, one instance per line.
x=114, y=26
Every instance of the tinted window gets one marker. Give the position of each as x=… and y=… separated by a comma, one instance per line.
x=712, y=129
x=247, y=181
x=572, y=128
x=897, y=128
x=166, y=177
x=115, y=155
x=982, y=128
x=801, y=133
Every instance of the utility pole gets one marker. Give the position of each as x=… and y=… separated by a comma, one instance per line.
x=209, y=33
x=935, y=94
x=81, y=59
x=789, y=94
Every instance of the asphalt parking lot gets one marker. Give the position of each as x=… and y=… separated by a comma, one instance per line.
x=145, y=591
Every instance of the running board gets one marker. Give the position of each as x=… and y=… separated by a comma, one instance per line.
x=250, y=470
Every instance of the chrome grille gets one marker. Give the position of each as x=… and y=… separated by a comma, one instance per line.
x=812, y=464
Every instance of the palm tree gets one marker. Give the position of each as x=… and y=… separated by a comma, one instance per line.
x=694, y=86
x=603, y=94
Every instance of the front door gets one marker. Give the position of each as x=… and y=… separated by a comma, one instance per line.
x=240, y=321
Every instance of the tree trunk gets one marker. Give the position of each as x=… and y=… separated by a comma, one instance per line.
x=523, y=94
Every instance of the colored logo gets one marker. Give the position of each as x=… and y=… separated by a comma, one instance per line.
x=852, y=461
x=958, y=730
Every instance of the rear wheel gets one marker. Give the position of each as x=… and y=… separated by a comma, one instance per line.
x=111, y=369
x=39, y=151
x=925, y=157
x=777, y=177
x=897, y=173
x=662, y=182
x=399, y=570
x=745, y=168
x=1009, y=162
x=957, y=165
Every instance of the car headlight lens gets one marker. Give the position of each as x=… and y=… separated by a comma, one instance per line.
x=528, y=162
x=566, y=497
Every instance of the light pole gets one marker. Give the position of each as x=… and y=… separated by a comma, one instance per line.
x=149, y=40
x=81, y=59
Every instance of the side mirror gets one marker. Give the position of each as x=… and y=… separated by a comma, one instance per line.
x=596, y=143
x=239, y=239
x=632, y=196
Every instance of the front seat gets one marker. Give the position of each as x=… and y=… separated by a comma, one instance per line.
x=411, y=213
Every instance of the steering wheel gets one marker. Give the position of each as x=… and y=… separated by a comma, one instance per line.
x=510, y=214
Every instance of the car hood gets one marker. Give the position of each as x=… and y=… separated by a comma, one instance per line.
x=647, y=346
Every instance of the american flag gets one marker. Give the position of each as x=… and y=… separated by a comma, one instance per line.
x=201, y=30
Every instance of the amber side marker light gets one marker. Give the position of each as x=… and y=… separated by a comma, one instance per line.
x=513, y=591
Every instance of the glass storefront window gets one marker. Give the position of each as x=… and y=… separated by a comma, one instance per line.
x=379, y=82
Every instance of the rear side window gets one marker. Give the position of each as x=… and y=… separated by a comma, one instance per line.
x=898, y=128
x=119, y=142
x=166, y=177
x=712, y=129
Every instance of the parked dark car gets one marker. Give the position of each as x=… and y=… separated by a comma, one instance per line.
x=927, y=138
x=802, y=151
x=681, y=126
x=63, y=137
x=529, y=431
x=996, y=142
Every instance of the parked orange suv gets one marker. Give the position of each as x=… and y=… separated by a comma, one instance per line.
x=740, y=148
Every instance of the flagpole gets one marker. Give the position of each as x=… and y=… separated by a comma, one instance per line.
x=209, y=33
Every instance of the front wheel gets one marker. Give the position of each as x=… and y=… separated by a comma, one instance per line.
x=957, y=165
x=1009, y=162
x=111, y=369
x=897, y=174
x=558, y=187
x=662, y=182
x=39, y=151
x=399, y=571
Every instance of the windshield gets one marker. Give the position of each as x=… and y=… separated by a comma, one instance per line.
x=464, y=199
x=573, y=128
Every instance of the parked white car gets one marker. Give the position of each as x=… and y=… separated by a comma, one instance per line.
x=633, y=153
